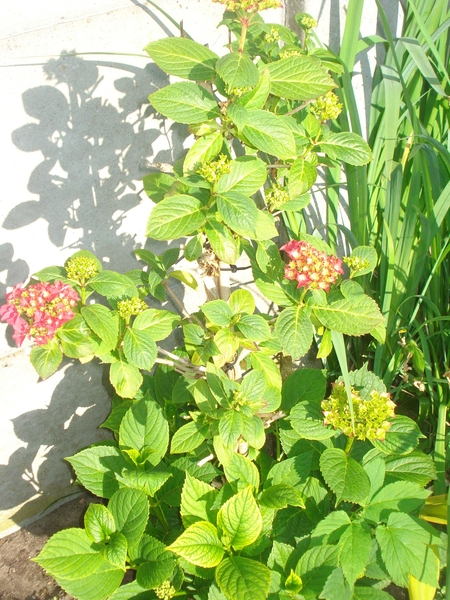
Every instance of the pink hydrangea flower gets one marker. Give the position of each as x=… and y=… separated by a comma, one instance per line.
x=311, y=268
x=38, y=310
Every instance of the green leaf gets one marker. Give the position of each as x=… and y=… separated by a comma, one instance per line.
x=345, y=476
x=295, y=331
x=370, y=593
x=230, y=428
x=348, y=147
x=247, y=175
x=269, y=133
x=103, y=323
x=265, y=226
x=188, y=437
x=186, y=277
x=314, y=568
x=46, y=359
x=99, y=522
x=302, y=385
x=158, y=323
x=70, y=554
x=355, y=544
x=242, y=471
x=227, y=343
x=115, y=550
x=237, y=114
x=125, y=378
x=174, y=217
x=146, y=481
x=404, y=544
x=222, y=241
x=307, y=420
x=185, y=102
x=402, y=437
x=200, y=545
x=280, y=496
x=139, y=348
x=75, y=338
x=399, y=496
x=51, y=274
x=299, y=78
x=97, y=586
x=197, y=498
x=113, y=285
x=145, y=429
x=239, y=213
x=291, y=471
x=157, y=185
x=302, y=176
x=194, y=247
x=130, y=511
x=336, y=588
x=242, y=301
x=356, y=316
x=218, y=312
x=205, y=149
x=184, y=58
x=243, y=578
x=256, y=98
x=96, y=468
x=335, y=521
x=156, y=565
x=237, y=70
x=416, y=466
x=254, y=328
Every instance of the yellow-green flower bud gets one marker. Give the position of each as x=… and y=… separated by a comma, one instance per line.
x=237, y=92
x=308, y=22
x=272, y=36
x=289, y=53
x=276, y=196
x=326, y=107
x=213, y=171
x=80, y=268
x=249, y=5
x=371, y=416
x=130, y=307
x=165, y=591
x=355, y=263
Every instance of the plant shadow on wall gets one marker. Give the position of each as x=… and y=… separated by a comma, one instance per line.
x=94, y=157
x=93, y=153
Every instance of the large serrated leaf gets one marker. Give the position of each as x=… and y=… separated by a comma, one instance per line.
x=345, y=476
x=125, y=378
x=99, y=522
x=96, y=586
x=402, y=437
x=302, y=385
x=155, y=563
x=184, y=58
x=96, y=468
x=113, y=285
x=188, y=437
x=269, y=133
x=242, y=471
x=299, y=78
x=237, y=70
x=197, y=498
x=247, y=175
x=302, y=176
x=399, y=496
x=355, y=544
x=145, y=429
x=203, y=150
x=159, y=323
x=239, y=212
x=174, y=217
x=185, y=102
x=348, y=147
x=416, y=467
x=139, y=348
x=356, y=316
x=307, y=420
x=46, y=359
x=200, y=545
x=130, y=510
x=295, y=331
x=222, y=241
x=243, y=578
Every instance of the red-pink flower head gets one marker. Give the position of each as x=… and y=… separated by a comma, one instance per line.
x=38, y=310
x=310, y=267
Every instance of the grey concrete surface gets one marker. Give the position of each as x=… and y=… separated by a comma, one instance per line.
x=77, y=135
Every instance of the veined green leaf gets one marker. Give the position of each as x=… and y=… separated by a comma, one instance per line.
x=357, y=316
x=184, y=58
x=299, y=78
x=355, y=544
x=243, y=578
x=269, y=133
x=174, y=217
x=203, y=150
x=125, y=378
x=345, y=476
x=402, y=437
x=295, y=331
x=46, y=359
x=130, y=511
x=156, y=185
x=99, y=522
x=197, y=498
x=302, y=176
x=239, y=212
x=139, y=348
x=222, y=241
x=200, y=545
x=158, y=323
x=237, y=70
x=188, y=437
x=239, y=520
x=185, y=102
x=348, y=147
x=399, y=496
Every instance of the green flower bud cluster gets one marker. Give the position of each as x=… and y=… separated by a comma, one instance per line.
x=213, y=171
x=326, y=107
x=165, y=591
x=308, y=22
x=355, y=263
x=239, y=398
x=81, y=268
x=371, y=416
x=236, y=92
x=276, y=196
x=249, y=5
x=289, y=53
x=129, y=307
x=272, y=36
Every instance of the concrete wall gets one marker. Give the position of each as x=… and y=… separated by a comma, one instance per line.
x=77, y=135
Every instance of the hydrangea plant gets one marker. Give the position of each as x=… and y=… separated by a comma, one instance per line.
x=230, y=476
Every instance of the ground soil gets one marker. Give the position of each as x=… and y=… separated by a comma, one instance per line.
x=21, y=579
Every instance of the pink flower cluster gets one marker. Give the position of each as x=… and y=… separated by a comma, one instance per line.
x=311, y=268
x=38, y=310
